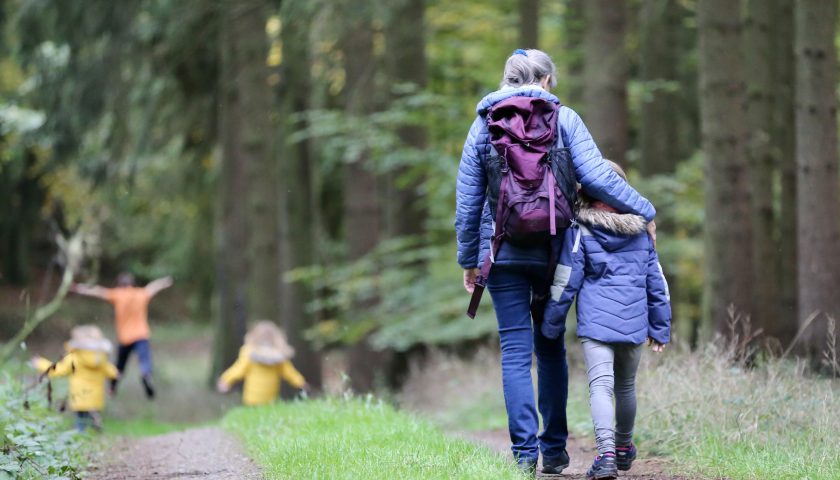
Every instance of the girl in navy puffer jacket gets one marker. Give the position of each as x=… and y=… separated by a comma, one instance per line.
x=609, y=262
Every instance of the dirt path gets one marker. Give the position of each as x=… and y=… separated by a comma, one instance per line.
x=581, y=455
x=195, y=453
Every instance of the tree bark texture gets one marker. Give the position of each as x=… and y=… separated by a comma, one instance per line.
x=362, y=211
x=728, y=269
x=256, y=98
x=237, y=22
x=784, y=76
x=406, y=64
x=574, y=28
x=529, y=23
x=760, y=150
x=298, y=185
x=605, y=76
x=816, y=156
x=658, y=141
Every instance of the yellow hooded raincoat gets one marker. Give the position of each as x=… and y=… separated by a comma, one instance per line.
x=88, y=371
x=261, y=380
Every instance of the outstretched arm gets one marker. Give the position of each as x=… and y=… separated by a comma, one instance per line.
x=156, y=286
x=94, y=291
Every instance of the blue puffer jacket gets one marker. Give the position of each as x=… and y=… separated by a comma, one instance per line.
x=609, y=262
x=473, y=222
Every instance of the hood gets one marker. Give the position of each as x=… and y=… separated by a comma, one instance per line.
x=491, y=99
x=611, y=229
x=264, y=355
x=89, y=358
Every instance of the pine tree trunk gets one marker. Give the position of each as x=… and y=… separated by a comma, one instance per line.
x=233, y=232
x=784, y=83
x=256, y=99
x=362, y=211
x=529, y=23
x=605, y=76
x=816, y=156
x=760, y=150
x=728, y=271
x=299, y=220
x=406, y=64
x=574, y=30
x=658, y=71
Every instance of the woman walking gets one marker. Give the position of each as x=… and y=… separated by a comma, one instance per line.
x=519, y=272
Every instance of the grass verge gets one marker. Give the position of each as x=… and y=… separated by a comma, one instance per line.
x=357, y=438
x=711, y=416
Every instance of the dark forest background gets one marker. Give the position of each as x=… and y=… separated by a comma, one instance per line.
x=296, y=160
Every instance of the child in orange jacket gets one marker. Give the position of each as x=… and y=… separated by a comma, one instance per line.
x=87, y=365
x=263, y=361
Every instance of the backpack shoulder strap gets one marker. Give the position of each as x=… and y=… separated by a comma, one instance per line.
x=559, y=143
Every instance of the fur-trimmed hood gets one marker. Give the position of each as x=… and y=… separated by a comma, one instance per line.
x=612, y=230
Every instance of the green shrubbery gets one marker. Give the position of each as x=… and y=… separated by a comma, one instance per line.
x=35, y=442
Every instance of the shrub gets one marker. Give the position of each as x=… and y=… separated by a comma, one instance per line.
x=35, y=441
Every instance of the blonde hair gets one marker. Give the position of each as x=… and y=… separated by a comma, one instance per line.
x=266, y=334
x=617, y=169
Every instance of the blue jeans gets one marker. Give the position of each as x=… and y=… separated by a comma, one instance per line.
x=510, y=288
x=144, y=355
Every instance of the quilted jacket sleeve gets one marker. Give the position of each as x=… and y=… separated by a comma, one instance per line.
x=594, y=174
x=659, y=301
x=470, y=192
x=568, y=278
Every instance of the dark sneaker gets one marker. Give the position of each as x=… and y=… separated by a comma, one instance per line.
x=528, y=467
x=555, y=465
x=147, y=385
x=624, y=457
x=603, y=468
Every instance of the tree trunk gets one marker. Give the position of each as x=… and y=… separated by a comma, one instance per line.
x=362, y=212
x=605, y=76
x=298, y=174
x=256, y=98
x=658, y=24
x=574, y=30
x=784, y=83
x=529, y=23
x=728, y=271
x=237, y=25
x=760, y=151
x=816, y=157
x=406, y=64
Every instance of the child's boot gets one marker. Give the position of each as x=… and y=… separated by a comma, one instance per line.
x=148, y=386
x=624, y=456
x=603, y=468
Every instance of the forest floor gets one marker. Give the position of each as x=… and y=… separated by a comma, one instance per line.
x=581, y=452
x=206, y=452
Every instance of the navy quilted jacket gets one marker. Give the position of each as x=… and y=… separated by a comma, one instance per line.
x=473, y=223
x=609, y=263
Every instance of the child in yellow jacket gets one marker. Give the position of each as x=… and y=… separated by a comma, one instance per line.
x=263, y=361
x=87, y=365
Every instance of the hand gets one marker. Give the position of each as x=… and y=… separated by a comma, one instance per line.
x=651, y=230
x=470, y=275
x=33, y=362
x=222, y=387
x=656, y=346
x=74, y=287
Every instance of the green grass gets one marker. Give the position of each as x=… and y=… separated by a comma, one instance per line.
x=708, y=416
x=335, y=439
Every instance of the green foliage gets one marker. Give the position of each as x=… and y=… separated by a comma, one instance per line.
x=357, y=438
x=36, y=442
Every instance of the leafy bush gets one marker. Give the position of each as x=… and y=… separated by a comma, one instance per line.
x=36, y=442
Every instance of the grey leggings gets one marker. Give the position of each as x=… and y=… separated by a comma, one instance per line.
x=611, y=367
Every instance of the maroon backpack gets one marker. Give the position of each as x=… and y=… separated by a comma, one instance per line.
x=531, y=185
